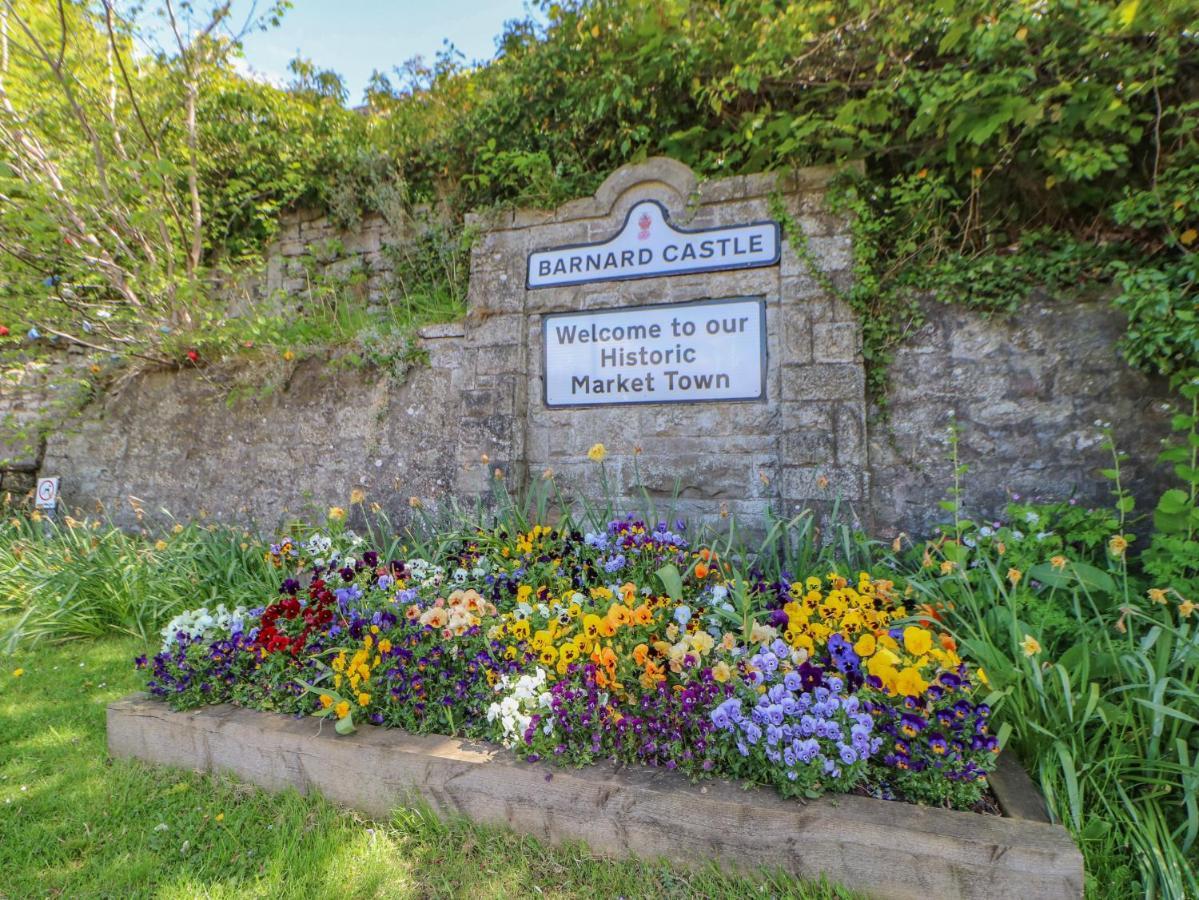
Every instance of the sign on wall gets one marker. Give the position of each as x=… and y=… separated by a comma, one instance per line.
x=46, y=496
x=648, y=245
x=677, y=352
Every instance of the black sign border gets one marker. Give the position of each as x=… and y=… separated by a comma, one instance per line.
x=760, y=299
x=774, y=261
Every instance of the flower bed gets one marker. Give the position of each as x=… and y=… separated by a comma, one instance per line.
x=626, y=643
x=589, y=649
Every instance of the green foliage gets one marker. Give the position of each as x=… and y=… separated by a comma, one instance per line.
x=1172, y=557
x=1093, y=657
x=1006, y=148
x=1160, y=302
x=85, y=579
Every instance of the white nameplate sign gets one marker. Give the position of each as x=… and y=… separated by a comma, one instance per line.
x=649, y=245
x=676, y=352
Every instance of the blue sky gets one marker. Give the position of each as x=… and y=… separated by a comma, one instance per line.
x=353, y=37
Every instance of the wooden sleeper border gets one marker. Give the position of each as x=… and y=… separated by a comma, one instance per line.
x=883, y=849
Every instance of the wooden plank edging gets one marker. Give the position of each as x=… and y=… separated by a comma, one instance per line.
x=884, y=849
x=1017, y=795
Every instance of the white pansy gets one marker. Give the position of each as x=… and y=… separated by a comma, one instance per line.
x=197, y=623
x=524, y=695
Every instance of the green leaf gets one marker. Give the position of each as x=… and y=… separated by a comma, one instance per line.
x=1074, y=574
x=1173, y=501
x=672, y=581
x=346, y=725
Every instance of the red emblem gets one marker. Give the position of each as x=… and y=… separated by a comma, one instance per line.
x=644, y=223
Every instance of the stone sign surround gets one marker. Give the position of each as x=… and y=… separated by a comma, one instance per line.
x=742, y=380
x=679, y=329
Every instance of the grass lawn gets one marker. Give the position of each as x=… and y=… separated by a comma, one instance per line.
x=75, y=824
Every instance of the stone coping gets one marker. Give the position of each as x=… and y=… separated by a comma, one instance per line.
x=884, y=849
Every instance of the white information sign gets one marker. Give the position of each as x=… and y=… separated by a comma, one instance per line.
x=46, y=496
x=649, y=245
x=677, y=352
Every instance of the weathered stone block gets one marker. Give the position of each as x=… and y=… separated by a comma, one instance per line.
x=824, y=381
x=823, y=482
x=836, y=341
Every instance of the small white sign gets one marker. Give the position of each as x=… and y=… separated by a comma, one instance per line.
x=649, y=245
x=677, y=352
x=47, y=493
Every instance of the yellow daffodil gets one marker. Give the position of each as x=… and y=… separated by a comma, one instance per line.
x=1157, y=595
x=598, y=453
x=1058, y=562
x=1117, y=545
x=17, y=673
x=1030, y=645
x=1014, y=575
x=1185, y=608
x=336, y=514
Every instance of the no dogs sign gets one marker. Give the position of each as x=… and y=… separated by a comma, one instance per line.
x=47, y=493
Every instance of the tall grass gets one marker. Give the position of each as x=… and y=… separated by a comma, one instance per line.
x=1108, y=724
x=82, y=579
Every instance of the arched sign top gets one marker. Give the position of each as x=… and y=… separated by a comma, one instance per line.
x=648, y=245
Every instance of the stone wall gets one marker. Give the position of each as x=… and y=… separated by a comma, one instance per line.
x=311, y=250
x=172, y=445
x=1026, y=393
x=309, y=245
x=36, y=393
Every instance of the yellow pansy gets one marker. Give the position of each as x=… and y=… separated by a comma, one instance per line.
x=865, y=646
x=917, y=641
x=909, y=683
